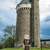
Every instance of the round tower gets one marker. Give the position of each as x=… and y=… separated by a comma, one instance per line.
x=23, y=19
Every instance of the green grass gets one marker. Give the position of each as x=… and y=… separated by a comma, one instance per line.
x=23, y=49
x=12, y=49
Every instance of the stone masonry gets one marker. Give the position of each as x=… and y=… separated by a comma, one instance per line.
x=35, y=21
x=23, y=20
x=28, y=21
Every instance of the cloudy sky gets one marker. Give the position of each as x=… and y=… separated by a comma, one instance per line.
x=45, y=18
x=8, y=15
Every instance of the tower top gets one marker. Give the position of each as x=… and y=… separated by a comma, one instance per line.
x=24, y=3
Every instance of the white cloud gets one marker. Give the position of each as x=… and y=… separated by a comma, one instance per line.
x=7, y=4
x=44, y=9
x=8, y=12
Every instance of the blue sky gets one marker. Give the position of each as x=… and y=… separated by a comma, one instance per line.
x=8, y=15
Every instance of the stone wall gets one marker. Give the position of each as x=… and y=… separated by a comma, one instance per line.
x=35, y=23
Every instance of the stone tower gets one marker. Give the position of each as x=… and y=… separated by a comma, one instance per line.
x=23, y=19
x=35, y=23
x=28, y=21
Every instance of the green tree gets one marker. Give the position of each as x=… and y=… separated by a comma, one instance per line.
x=9, y=42
x=10, y=35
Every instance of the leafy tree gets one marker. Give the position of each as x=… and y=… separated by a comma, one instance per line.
x=10, y=35
x=10, y=31
x=9, y=42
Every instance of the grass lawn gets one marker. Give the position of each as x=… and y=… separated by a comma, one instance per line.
x=23, y=49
